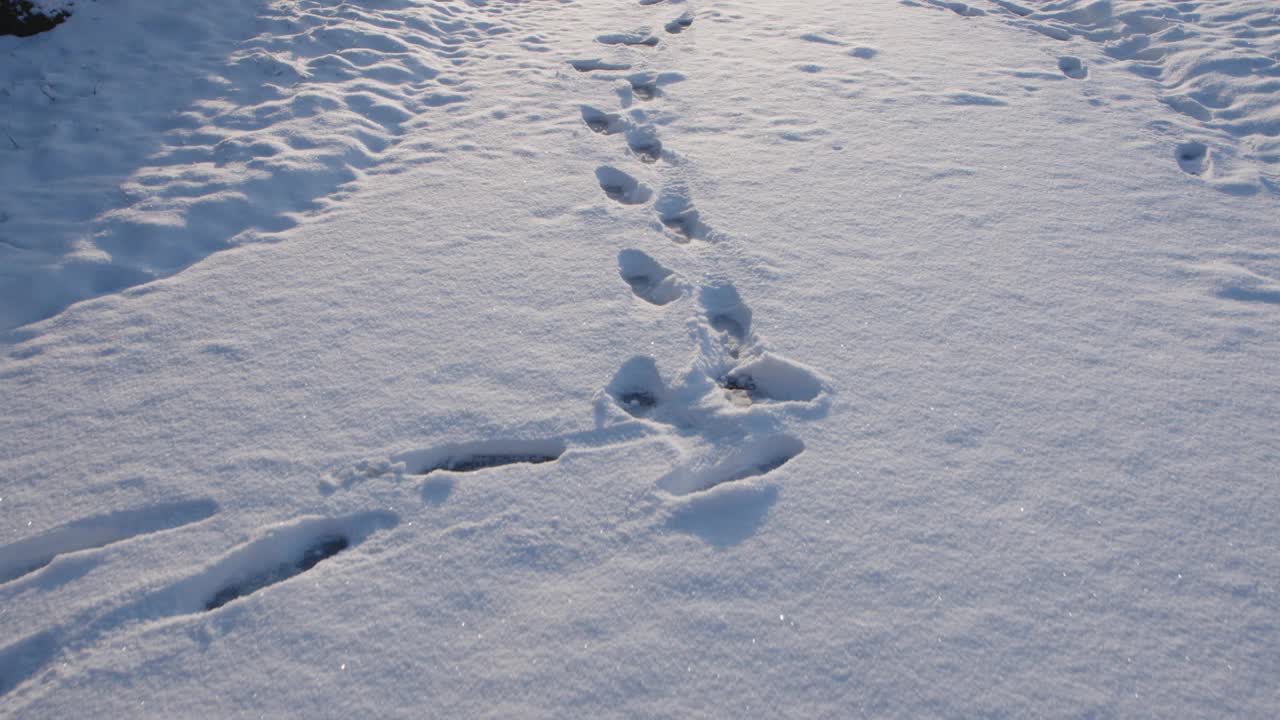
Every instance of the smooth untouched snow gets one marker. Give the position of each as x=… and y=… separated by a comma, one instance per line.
x=569, y=358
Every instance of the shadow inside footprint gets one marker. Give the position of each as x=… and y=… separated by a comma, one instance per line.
x=1193, y=157
x=1073, y=67
x=644, y=142
x=648, y=279
x=593, y=64
x=680, y=24
x=25, y=658
x=279, y=553
x=284, y=551
x=685, y=225
x=621, y=187
x=637, y=387
x=602, y=122
x=641, y=38
x=726, y=312
x=481, y=455
x=321, y=549
x=772, y=378
x=644, y=87
x=678, y=215
x=32, y=554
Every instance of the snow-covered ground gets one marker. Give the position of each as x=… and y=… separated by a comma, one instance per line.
x=594, y=358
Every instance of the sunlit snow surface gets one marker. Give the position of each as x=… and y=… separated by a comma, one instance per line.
x=568, y=358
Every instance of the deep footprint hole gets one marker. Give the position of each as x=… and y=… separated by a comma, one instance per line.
x=741, y=381
x=649, y=151
x=680, y=24
x=1193, y=157
x=322, y=549
x=644, y=90
x=1191, y=152
x=648, y=279
x=621, y=187
x=593, y=64
x=632, y=39
x=601, y=122
x=742, y=389
x=473, y=463
x=1072, y=67
x=686, y=224
x=481, y=455
x=733, y=323
x=726, y=313
x=678, y=214
x=773, y=378
x=637, y=387
x=638, y=400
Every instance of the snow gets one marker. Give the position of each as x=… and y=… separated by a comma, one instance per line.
x=1213, y=63
x=49, y=7
x=481, y=359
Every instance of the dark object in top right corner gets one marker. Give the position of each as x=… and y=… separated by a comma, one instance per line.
x=19, y=17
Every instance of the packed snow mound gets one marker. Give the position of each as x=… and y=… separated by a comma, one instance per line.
x=1214, y=63
x=118, y=169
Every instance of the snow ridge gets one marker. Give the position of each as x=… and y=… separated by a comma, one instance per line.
x=32, y=554
x=278, y=108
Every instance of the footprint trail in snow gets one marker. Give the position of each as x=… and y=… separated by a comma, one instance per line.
x=729, y=405
x=731, y=411
x=278, y=554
